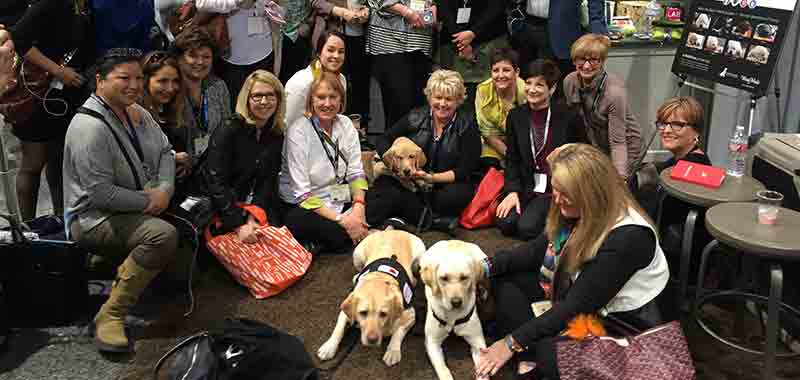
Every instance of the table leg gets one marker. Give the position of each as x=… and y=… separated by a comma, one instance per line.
x=773, y=319
x=686, y=255
x=699, y=290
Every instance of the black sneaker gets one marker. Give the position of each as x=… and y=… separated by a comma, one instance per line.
x=312, y=247
x=396, y=223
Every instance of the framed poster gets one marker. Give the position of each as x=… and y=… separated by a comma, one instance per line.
x=734, y=42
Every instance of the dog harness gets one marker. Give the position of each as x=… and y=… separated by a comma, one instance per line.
x=459, y=321
x=393, y=268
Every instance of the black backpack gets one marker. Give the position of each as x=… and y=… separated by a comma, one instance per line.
x=241, y=349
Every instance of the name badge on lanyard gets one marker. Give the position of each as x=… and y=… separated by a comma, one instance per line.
x=340, y=193
x=540, y=179
x=462, y=17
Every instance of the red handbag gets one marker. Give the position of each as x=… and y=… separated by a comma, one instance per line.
x=24, y=97
x=481, y=210
x=267, y=267
x=658, y=353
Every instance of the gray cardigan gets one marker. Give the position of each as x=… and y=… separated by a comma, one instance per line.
x=98, y=182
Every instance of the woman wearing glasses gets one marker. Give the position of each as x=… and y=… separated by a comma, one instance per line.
x=680, y=124
x=322, y=178
x=244, y=156
x=602, y=101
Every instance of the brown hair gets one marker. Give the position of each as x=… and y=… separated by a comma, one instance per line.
x=545, y=68
x=590, y=45
x=331, y=80
x=586, y=176
x=242, y=105
x=685, y=106
x=194, y=37
x=152, y=63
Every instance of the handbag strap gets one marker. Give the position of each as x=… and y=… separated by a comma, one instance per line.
x=185, y=342
x=98, y=115
x=636, y=165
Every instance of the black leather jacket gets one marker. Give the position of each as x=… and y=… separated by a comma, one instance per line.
x=458, y=149
x=237, y=164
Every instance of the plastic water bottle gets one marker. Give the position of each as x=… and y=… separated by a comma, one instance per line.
x=737, y=152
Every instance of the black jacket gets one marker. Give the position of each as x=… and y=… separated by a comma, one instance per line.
x=487, y=20
x=237, y=164
x=459, y=148
x=564, y=126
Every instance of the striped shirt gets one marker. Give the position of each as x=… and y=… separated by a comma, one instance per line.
x=389, y=33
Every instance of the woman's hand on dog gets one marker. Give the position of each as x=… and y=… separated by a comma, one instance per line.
x=423, y=175
x=492, y=359
x=355, y=224
x=511, y=201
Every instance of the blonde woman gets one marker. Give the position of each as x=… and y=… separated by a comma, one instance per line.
x=602, y=100
x=452, y=145
x=322, y=179
x=590, y=260
x=244, y=156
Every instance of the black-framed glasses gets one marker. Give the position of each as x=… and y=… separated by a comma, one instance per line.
x=155, y=57
x=674, y=125
x=592, y=61
x=258, y=98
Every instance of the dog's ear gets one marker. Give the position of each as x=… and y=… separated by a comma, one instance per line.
x=389, y=158
x=421, y=159
x=349, y=306
x=428, y=273
x=477, y=262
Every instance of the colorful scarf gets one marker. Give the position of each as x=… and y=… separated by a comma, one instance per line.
x=550, y=261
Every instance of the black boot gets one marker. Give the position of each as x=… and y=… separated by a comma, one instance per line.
x=395, y=223
x=445, y=224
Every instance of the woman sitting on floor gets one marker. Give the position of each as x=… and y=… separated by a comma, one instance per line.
x=330, y=55
x=495, y=97
x=244, y=156
x=452, y=145
x=534, y=130
x=322, y=178
x=591, y=260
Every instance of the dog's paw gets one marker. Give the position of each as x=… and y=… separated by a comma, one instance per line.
x=392, y=357
x=327, y=351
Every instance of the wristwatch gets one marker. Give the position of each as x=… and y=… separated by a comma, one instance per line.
x=512, y=344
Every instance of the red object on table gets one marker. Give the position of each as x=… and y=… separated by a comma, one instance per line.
x=699, y=174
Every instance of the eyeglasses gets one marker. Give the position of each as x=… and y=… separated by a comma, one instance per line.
x=674, y=125
x=260, y=98
x=592, y=61
x=155, y=57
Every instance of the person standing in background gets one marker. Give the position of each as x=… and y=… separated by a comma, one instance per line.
x=548, y=28
x=251, y=39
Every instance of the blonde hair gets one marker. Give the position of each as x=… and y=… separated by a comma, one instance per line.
x=586, y=177
x=590, y=45
x=447, y=83
x=243, y=107
x=336, y=85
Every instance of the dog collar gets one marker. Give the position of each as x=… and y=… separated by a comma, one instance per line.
x=393, y=268
x=459, y=321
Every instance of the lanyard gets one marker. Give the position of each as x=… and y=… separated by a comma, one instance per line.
x=544, y=140
x=587, y=117
x=325, y=140
x=134, y=138
x=201, y=115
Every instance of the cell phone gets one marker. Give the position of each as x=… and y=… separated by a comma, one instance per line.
x=427, y=17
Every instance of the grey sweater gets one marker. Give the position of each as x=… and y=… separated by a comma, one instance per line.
x=98, y=182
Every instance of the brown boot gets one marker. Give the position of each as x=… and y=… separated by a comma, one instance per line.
x=109, y=322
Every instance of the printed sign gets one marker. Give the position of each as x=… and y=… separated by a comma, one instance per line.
x=734, y=42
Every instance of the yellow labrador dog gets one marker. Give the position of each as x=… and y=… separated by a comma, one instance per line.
x=402, y=160
x=451, y=270
x=380, y=302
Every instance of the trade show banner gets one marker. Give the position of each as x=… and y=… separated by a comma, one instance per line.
x=734, y=42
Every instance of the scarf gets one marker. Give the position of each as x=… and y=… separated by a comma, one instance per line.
x=550, y=261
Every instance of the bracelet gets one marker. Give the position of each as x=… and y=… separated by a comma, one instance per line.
x=512, y=344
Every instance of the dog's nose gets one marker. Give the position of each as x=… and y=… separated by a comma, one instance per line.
x=456, y=302
x=373, y=339
x=407, y=172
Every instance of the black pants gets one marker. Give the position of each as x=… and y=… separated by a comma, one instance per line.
x=308, y=226
x=530, y=224
x=402, y=77
x=295, y=56
x=357, y=70
x=533, y=42
x=513, y=294
x=388, y=198
x=234, y=75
